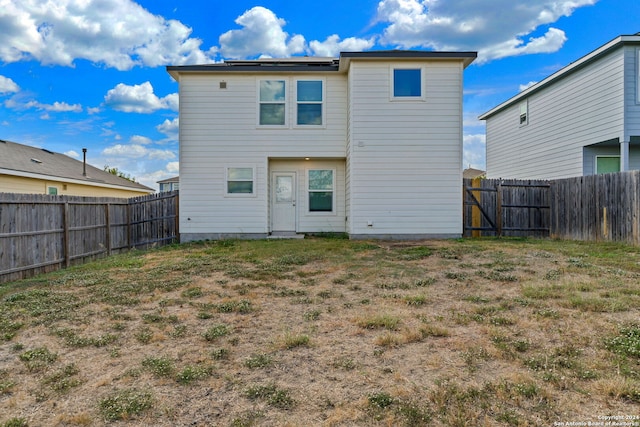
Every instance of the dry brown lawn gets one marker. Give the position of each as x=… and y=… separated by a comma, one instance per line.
x=328, y=332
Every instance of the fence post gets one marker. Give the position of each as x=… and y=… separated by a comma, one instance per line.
x=67, y=241
x=107, y=208
x=475, y=210
x=499, y=210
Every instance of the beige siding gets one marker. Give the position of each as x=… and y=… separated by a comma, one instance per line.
x=218, y=129
x=581, y=109
x=405, y=156
x=308, y=222
x=16, y=184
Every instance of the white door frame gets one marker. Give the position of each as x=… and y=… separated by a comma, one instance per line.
x=284, y=211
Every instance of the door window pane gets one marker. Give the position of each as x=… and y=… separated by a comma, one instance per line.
x=284, y=189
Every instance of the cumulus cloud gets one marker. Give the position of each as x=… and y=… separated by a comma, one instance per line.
x=8, y=86
x=506, y=28
x=72, y=153
x=527, y=86
x=474, y=154
x=173, y=167
x=169, y=128
x=18, y=103
x=137, y=151
x=261, y=34
x=332, y=45
x=117, y=33
x=138, y=99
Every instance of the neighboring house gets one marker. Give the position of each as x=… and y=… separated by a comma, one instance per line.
x=471, y=173
x=582, y=120
x=169, y=184
x=25, y=169
x=368, y=144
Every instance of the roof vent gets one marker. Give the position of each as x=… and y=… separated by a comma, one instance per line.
x=47, y=151
x=36, y=161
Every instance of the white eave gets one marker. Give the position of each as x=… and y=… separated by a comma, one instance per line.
x=563, y=72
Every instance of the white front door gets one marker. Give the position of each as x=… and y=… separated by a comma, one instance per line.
x=283, y=201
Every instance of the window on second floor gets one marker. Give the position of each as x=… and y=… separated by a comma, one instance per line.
x=524, y=113
x=309, y=96
x=407, y=83
x=272, y=103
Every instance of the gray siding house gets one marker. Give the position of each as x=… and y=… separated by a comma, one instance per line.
x=368, y=144
x=582, y=120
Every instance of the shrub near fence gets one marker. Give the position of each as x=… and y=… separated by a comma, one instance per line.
x=41, y=233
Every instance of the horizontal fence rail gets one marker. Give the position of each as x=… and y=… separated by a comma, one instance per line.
x=41, y=233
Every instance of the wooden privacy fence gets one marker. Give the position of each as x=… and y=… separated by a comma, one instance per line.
x=495, y=207
x=41, y=233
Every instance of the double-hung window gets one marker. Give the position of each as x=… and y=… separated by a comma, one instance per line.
x=407, y=84
x=272, y=103
x=524, y=113
x=321, y=188
x=309, y=97
x=240, y=180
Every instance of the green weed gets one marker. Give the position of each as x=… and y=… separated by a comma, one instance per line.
x=216, y=331
x=125, y=404
x=274, y=396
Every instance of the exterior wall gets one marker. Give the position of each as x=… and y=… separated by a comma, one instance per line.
x=581, y=109
x=16, y=184
x=405, y=157
x=310, y=222
x=219, y=129
x=632, y=92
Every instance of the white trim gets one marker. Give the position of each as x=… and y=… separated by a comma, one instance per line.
x=295, y=102
x=333, y=210
x=254, y=193
x=423, y=86
x=638, y=75
x=23, y=174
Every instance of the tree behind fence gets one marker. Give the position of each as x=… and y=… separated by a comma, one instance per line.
x=41, y=233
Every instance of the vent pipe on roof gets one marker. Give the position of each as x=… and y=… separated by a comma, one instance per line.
x=84, y=162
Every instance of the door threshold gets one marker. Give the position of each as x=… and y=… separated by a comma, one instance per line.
x=285, y=235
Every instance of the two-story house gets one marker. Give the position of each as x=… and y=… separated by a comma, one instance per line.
x=582, y=120
x=368, y=144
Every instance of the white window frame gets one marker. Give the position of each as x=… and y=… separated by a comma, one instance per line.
x=423, y=86
x=259, y=102
x=253, y=180
x=523, y=105
x=333, y=210
x=296, y=102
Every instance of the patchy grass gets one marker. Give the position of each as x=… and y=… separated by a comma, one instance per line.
x=327, y=331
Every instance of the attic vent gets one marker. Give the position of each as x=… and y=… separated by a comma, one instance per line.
x=47, y=151
x=223, y=85
x=36, y=161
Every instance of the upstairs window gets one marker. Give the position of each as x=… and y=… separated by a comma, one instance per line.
x=272, y=103
x=321, y=190
x=407, y=83
x=309, y=96
x=524, y=113
x=240, y=181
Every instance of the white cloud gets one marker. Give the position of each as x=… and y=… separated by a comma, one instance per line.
x=173, y=167
x=56, y=107
x=118, y=33
x=72, y=153
x=140, y=140
x=137, y=151
x=474, y=153
x=169, y=128
x=7, y=85
x=332, y=46
x=261, y=34
x=506, y=28
x=527, y=86
x=137, y=99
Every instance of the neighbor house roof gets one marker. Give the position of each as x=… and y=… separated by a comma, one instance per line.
x=564, y=72
x=317, y=64
x=168, y=180
x=39, y=163
x=471, y=173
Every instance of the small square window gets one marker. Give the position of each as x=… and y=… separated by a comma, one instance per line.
x=52, y=191
x=240, y=180
x=407, y=83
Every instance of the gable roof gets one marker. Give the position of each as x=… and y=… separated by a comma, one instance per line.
x=31, y=162
x=564, y=72
x=316, y=64
x=168, y=180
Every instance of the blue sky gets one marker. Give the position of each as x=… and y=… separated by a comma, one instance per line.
x=91, y=73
